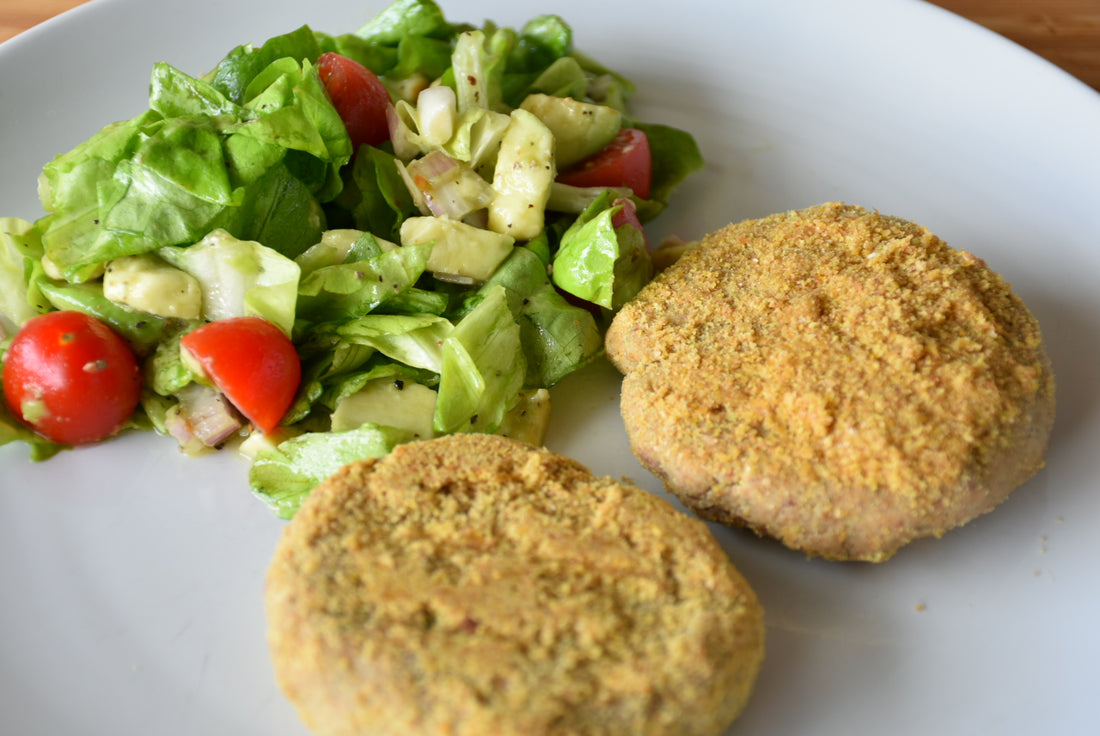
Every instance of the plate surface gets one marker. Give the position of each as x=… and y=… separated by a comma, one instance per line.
x=132, y=576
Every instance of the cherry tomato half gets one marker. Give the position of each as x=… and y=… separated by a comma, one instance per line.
x=625, y=162
x=71, y=378
x=252, y=362
x=358, y=95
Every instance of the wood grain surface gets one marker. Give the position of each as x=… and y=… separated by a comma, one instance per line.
x=1066, y=32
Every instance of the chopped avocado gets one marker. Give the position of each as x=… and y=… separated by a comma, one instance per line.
x=524, y=172
x=148, y=283
x=388, y=402
x=580, y=128
x=258, y=442
x=460, y=251
x=528, y=419
x=333, y=248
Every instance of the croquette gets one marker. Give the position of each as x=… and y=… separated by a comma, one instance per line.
x=474, y=584
x=840, y=380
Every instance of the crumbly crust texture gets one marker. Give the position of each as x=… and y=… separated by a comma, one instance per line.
x=473, y=585
x=839, y=379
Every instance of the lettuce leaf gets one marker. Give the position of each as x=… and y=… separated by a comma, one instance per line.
x=676, y=156
x=350, y=290
x=558, y=338
x=143, y=331
x=483, y=368
x=414, y=340
x=285, y=475
x=11, y=430
x=600, y=262
x=405, y=18
x=256, y=158
x=233, y=74
x=18, y=254
x=374, y=198
x=240, y=278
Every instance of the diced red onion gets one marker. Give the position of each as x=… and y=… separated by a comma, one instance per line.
x=176, y=426
x=434, y=166
x=208, y=414
x=628, y=215
x=446, y=187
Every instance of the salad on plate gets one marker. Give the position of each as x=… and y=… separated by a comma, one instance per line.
x=330, y=244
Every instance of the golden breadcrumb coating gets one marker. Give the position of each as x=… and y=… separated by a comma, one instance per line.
x=839, y=379
x=477, y=585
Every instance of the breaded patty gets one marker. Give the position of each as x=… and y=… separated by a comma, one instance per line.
x=474, y=585
x=840, y=380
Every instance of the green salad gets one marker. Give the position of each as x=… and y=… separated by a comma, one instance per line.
x=437, y=259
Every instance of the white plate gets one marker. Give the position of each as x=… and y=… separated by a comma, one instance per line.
x=131, y=577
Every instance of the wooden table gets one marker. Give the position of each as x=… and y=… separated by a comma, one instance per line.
x=1067, y=32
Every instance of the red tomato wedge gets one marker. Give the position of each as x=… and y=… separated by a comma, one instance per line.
x=625, y=162
x=358, y=95
x=71, y=378
x=252, y=362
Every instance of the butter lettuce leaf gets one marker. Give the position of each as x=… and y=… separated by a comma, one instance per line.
x=235, y=73
x=483, y=368
x=240, y=278
x=19, y=252
x=349, y=290
x=601, y=262
x=414, y=340
x=283, y=476
x=257, y=161
x=558, y=338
